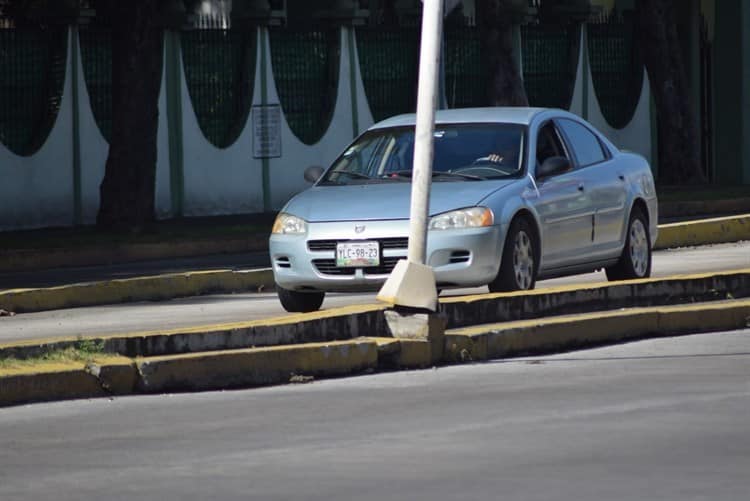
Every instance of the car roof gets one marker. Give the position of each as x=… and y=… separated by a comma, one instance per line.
x=516, y=115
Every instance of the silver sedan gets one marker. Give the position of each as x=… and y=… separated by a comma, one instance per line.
x=518, y=194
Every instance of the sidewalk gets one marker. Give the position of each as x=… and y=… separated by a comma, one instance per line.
x=55, y=277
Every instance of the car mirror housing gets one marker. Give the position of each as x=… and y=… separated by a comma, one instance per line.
x=313, y=173
x=552, y=166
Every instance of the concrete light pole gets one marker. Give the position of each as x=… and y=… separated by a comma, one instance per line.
x=412, y=282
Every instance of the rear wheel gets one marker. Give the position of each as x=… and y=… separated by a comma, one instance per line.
x=635, y=260
x=519, y=262
x=300, y=302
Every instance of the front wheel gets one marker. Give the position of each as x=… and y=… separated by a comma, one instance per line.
x=519, y=262
x=635, y=260
x=300, y=302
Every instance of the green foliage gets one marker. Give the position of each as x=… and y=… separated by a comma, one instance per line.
x=83, y=351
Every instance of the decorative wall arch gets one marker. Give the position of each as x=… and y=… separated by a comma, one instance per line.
x=550, y=61
x=306, y=73
x=219, y=68
x=616, y=69
x=33, y=62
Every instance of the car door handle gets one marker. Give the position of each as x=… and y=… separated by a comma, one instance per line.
x=621, y=177
x=580, y=187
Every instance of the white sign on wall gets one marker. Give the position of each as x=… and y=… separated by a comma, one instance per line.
x=266, y=131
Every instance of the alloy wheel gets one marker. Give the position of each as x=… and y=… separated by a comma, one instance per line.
x=638, y=248
x=523, y=260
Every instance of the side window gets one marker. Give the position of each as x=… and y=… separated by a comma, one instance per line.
x=585, y=144
x=548, y=144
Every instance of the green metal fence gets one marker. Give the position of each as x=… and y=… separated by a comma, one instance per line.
x=220, y=73
x=465, y=74
x=305, y=70
x=32, y=74
x=388, y=63
x=616, y=70
x=550, y=59
x=96, y=61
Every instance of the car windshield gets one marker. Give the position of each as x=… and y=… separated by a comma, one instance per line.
x=463, y=152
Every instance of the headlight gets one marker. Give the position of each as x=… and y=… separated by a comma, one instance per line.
x=286, y=224
x=472, y=217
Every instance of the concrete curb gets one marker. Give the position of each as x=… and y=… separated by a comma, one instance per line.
x=570, y=332
x=256, y=366
x=46, y=381
x=301, y=363
x=368, y=320
x=153, y=288
x=703, y=232
x=161, y=287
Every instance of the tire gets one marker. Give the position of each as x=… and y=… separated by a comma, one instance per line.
x=300, y=302
x=635, y=260
x=520, y=260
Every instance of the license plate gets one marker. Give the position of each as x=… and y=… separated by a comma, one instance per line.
x=357, y=254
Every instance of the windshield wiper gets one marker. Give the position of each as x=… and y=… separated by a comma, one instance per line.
x=357, y=175
x=458, y=174
x=408, y=174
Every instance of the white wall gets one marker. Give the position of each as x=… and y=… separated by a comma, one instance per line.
x=636, y=135
x=220, y=181
x=37, y=190
x=286, y=172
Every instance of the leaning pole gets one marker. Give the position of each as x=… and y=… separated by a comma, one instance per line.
x=412, y=283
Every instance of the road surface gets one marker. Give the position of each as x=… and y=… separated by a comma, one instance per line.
x=659, y=419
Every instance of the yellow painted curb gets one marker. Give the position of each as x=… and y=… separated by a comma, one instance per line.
x=499, y=340
x=45, y=381
x=255, y=366
x=152, y=288
x=702, y=232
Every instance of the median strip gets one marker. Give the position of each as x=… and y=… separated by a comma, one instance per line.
x=303, y=362
x=367, y=320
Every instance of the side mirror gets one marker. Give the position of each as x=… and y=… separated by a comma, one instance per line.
x=552, y=166
x=313, y=173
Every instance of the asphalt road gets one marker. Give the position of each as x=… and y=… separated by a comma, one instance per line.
x=212, y=309
x=660, y=419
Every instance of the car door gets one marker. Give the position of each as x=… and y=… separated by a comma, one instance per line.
x=562, y=204
x=605, y=186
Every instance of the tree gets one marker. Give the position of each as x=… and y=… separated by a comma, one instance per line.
x=495, y=21
x=128, y=189
x=678, y=134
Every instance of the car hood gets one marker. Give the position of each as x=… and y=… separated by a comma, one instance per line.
x=385, y=200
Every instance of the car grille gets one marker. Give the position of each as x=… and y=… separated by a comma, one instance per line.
x=385, y=243
x=328, y=267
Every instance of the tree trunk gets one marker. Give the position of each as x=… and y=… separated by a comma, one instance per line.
x=679, y=139
x=127, y=191
x=505, y=86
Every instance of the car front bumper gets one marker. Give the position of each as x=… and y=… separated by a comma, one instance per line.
x=460, y=258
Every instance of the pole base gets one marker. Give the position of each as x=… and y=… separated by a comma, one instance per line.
x=410, y=284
